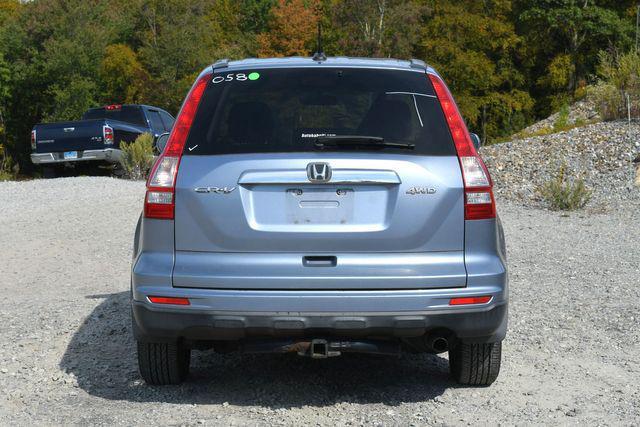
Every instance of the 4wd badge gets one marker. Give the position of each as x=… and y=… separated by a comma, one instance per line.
x=421, y=190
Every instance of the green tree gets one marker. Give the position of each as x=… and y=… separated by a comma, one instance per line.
x=378, y=28
x=9, y=9
x=564, y=38
x=475, y=46
x=254, y=15
x=123, y=78
x=5, y=93
x=178, y=39
x=235, y=24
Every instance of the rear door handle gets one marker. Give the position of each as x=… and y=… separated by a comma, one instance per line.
x=319, y=261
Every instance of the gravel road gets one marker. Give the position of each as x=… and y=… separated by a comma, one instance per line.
x=66, y=353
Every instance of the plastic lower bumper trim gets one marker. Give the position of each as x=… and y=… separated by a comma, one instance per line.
x=473, y=326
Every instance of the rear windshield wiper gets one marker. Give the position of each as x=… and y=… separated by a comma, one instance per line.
x=358, y=141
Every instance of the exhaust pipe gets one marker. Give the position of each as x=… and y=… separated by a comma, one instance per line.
x=438, y=343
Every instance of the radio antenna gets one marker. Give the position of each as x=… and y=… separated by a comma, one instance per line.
x=319, y=54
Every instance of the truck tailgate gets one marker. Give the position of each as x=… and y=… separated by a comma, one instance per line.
x=69, y=136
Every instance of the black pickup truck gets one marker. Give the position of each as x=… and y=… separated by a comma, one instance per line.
x=96, y=137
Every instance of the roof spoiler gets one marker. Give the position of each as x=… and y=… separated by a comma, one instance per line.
x=222, y=63
x=418, y=63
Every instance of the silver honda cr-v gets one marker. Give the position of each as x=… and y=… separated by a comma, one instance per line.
x=319, y=207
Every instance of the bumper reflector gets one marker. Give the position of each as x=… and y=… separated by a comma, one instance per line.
x=470, y=300
x=169, y=300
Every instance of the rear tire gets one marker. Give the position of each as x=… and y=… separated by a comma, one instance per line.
x=49, y=172
x=163, y=363
x=118, y=171
x=475, y=364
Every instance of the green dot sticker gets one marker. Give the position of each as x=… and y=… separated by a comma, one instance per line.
x=254, y=76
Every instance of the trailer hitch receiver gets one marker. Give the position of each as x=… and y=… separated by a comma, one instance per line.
x=321, y=349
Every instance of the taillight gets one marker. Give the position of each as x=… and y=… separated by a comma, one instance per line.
x=478, y=201
x=114, y=107
x=33, y=139
x=107, y=134
x=159, y=202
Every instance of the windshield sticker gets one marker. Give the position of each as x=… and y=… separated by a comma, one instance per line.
x=316, y=135
x=238, y=77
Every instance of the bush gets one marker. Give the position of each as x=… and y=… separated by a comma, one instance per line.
x=609, y=101
x=622, y=71
x=7, y=172
x=137, y=156
x=562, y=121
x=619, y=78
x=563, y=194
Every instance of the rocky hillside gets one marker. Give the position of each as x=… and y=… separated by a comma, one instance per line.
x=579, y=113
x=602, y=154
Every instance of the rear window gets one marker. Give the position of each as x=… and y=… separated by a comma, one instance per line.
x=286, y=109
x=129, y=114
x=156, y=121
x=167, y=120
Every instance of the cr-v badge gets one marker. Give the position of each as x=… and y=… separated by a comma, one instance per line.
x=217, y=190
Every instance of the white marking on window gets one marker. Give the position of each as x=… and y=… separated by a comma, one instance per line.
x=411, y=93
x=415, y=103
x=193, y=148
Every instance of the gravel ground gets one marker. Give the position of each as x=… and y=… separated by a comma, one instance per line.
x=67, y=357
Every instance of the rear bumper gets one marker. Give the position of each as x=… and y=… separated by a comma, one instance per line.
x=233, y=314
x=366, y=314
x=110, y=155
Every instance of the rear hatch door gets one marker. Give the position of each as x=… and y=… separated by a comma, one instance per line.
x=259, y=205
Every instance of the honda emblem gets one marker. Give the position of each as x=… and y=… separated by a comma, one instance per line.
x=319, y=172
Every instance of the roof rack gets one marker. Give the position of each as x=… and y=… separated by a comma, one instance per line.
x=418, y=63
x=222, y=63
